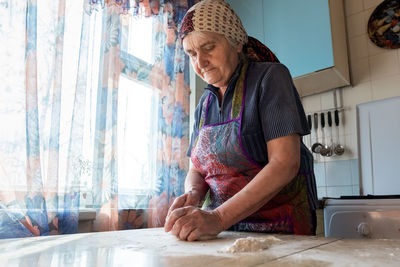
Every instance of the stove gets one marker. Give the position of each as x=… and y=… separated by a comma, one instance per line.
x=370, y=217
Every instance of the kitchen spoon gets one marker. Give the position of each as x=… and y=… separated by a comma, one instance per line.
x=331, y=145
x=316, y=147
x=339, y=149
x=325, y=148
x=309, y=120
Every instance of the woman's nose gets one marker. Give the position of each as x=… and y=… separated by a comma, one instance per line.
x=202, y=60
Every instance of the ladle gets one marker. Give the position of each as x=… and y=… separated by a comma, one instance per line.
x=331, y=145
x=316, y=147
x=339, y=149
x=309, y=120
x=325, y=149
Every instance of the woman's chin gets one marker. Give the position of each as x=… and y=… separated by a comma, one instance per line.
x=213, y=82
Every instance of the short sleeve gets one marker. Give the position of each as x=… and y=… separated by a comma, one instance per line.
x=281, y=111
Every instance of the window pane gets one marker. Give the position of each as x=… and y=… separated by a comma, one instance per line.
x=140, y=38
x=137, y=141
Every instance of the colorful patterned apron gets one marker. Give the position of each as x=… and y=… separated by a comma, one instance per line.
x=219, y=155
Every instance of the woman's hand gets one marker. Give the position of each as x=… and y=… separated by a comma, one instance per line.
x=191, y=223
x=191, y=198
x=195, y=188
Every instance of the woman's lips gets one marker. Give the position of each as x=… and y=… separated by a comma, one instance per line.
x=205, y=71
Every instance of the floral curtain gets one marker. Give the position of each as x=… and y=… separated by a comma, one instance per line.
x=41, y=116
x=169, y=74
x=50, y=74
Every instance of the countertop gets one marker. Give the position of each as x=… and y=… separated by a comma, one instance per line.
x=154, y=247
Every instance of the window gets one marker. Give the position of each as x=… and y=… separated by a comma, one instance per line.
x=138, y=43
x=137, y=117
x=137, y=112
x=137, y=141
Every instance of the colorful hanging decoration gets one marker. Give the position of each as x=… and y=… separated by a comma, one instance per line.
x=384, y=25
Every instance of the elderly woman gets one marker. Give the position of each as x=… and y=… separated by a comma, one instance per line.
x=246, y=147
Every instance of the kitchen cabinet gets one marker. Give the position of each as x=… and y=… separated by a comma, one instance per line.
x=308, y=36
x=154, y=247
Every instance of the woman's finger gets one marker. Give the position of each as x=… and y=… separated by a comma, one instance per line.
x=186, y=230
x=193, y=235
x=179, y=224
x=191, y=200
x=178, y=203
x=173, y=217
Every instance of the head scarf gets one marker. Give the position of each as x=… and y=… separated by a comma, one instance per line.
x=218, y=16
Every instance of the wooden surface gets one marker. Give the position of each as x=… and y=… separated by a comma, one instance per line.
x=154, y=247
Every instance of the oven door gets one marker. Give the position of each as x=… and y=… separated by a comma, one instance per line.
x=362, y=218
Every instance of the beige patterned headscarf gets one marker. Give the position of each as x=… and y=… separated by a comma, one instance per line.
x=218, y=16
x=214, y=16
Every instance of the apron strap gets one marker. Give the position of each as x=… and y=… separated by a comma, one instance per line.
x=204, y=111
x=237, y=100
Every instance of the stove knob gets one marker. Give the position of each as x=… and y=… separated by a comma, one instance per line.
x=364, y=229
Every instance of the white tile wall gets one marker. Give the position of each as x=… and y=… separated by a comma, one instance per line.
x=355, y=178
x=319, y=170
x=334, y=176
x=350, y=142
x=360, y=71
x=356, y=25
x=357, y=94
x=312, y=102
x=374, y=49
x=327, y=100
x=384, y=64
x=375, y=74
x=337, y=191
x=337, y=173
x=386, y=87
x=398, y=53
x=356, y=190
x=321, y=192
x=352, y=7
x=369, y=3
x=358, y=47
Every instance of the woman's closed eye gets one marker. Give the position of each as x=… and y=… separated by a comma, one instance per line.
x=208, y=47
x=192, y=54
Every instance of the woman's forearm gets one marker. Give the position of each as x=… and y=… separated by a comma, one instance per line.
x=279, y=171
x=264, y=186
x=195, y=183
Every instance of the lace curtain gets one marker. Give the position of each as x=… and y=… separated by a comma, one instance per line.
x=60, y=105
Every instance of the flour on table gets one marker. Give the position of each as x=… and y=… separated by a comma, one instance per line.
x=252, y=244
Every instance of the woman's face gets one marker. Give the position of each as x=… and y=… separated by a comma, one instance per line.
x=212, y=57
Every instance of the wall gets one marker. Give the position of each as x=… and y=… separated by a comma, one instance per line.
x=375, y=74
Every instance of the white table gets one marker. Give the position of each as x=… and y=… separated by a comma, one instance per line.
x=154, y=247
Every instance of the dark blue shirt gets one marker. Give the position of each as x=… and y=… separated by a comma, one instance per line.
x=272, y=108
